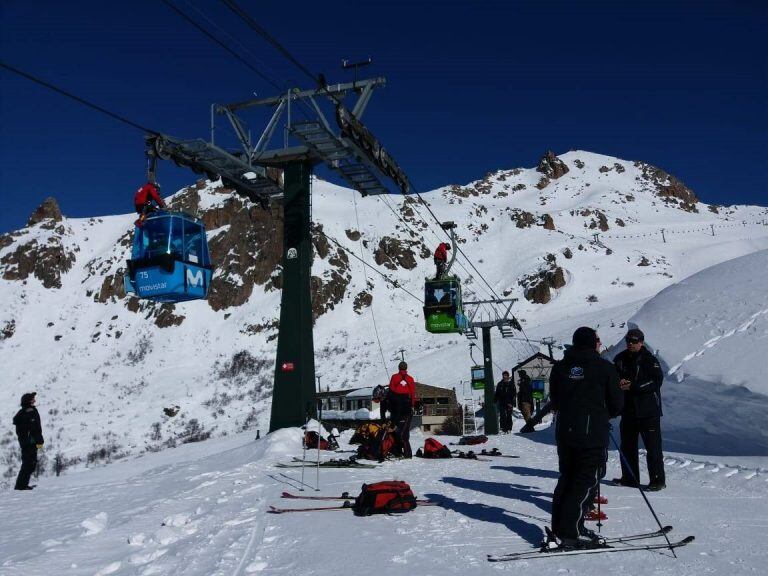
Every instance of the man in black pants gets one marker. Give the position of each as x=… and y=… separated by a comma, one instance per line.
x=585, y=393
x=505, y=401
x=641, y=378
x=30, y=435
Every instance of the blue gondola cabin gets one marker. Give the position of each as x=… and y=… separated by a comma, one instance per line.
x=169, y=259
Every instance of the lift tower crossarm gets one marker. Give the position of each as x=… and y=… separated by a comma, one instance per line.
x=329, y=91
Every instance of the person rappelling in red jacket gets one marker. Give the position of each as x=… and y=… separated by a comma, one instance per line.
x=441, y=259
x=401, y=402
x=147, y=199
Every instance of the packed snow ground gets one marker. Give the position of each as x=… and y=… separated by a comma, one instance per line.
x=200, y=510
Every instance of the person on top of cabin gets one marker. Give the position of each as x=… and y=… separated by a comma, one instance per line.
x=145, y=200
x=401, y=400
x=441, y=259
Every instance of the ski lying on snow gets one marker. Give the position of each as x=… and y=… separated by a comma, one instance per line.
x=344, y=496
x=531, y=554
x=346, y=506
x=641, y=536
x=329, y=464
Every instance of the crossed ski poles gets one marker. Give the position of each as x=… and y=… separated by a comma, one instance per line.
x=637, y=482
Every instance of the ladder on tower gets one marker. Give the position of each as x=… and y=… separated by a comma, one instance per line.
x=469, y=422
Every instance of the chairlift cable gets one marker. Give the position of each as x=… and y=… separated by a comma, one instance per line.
x=365, y=275
x=82, y=101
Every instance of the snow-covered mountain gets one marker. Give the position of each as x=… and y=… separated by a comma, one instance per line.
x=582, y=238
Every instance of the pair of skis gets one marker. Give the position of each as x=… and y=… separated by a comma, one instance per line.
x=617, y=544
x=349, y=463
x=346, y=506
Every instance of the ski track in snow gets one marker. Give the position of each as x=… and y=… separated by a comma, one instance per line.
x=167, y=520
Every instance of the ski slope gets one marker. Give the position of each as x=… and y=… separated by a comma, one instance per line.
x=200, y=510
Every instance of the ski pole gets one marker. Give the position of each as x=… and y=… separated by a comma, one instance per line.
x=636, y=481
x=319, y=438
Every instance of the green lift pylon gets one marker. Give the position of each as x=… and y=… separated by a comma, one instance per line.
x=293, y=397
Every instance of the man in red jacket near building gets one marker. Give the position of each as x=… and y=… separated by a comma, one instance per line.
x=401, y=400
x=145, y=200
x=441, y=259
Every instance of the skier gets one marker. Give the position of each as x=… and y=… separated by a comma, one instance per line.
x=505, y=401
x=525, y=395
x=401, y=400
x=641, y=378
x=30, y=434
x=145, y=200
x=585, y=393
x=441, y=259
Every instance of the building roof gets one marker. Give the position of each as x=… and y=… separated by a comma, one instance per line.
x=533, y=357
x=366, y=392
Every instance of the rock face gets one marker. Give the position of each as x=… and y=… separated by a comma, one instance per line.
x=551, y=166
x=669, y=188
x=539, y=285
x=393, y=253
x=48, y=210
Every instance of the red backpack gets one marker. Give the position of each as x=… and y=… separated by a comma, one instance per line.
x=434, y=449
x=388, y=497
x=311, y=440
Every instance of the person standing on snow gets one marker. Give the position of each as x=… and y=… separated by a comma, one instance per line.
x=641, y=379
x=441, y=259
x=145, y=200
x=401, y=400
x=30, y=434
x=525, y=395
x=585, y=393
x=505, y=401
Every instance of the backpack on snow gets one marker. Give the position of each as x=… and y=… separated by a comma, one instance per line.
x=472, y=440
x=378, y=447
x=433, y=449
x=388, y=497
x=312, y=439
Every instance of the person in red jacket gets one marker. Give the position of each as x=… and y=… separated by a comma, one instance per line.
x=145, y=200
x=401, y=401
x=441, y=259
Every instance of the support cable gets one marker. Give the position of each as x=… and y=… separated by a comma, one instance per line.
x=365, y=275
x=71, y=96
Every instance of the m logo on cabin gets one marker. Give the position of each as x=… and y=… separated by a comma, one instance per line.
x=194, y=278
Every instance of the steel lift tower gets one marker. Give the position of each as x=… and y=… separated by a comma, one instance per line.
x=348, y=148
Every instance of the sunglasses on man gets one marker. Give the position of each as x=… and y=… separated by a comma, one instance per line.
x=633, y=340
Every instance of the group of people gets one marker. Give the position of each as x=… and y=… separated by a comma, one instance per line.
x=508, y=394
x=586, y=392
x=400, y=400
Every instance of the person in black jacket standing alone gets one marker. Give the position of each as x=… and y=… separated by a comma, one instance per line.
x=30, y=435
x=505, y=401
x=584, y=390
x=641, y=378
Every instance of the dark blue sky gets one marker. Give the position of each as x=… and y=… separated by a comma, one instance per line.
x=472, y=86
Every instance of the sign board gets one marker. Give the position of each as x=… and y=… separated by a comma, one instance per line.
x=538, y=389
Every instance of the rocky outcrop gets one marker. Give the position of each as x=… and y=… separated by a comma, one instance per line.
x=46, y=262
x=393, y=253
x=363, y=300
x=668, y=188
x=47, y=211
x=549, y=222
x=539, y=285
x=551, y=166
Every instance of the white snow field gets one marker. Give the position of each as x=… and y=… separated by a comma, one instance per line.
x=200, y=510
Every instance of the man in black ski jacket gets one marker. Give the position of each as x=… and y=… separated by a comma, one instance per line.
x=505, y=401
x=585, y=393
x=30, y=435
x=641, y=378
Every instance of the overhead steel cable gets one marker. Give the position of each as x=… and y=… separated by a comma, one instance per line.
x=232, y=53
x=82, y=101
x=394, y=283
x=245, y=17
x=365, y=275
